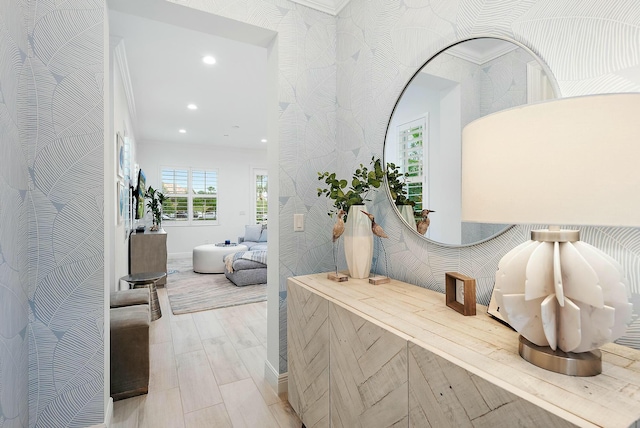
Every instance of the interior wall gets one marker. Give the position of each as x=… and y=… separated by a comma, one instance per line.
x=380, y=46
x=123, y=124
x=54, y=89
x=235, y=184
x=306, y=133
x=15, y=157
x=446, y=167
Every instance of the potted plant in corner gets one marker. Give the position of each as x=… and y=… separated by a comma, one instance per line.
x=154, y=205
x=397, y=187
x=358, y=240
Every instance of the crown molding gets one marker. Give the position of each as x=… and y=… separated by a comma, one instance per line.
x=120, y=56
x=332, y=7
x=480, y=57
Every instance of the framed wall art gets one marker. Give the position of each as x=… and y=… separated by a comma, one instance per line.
x=460, y=292
x=121, y=198
x=120, y=154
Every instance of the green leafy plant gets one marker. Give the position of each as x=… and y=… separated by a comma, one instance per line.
x=364, y=179
x=154, y=205
x=397, y=185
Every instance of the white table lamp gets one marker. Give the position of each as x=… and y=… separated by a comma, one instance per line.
x=571, y=161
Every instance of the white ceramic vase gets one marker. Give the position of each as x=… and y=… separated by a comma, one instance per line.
x=406, y=212
x=358, y=242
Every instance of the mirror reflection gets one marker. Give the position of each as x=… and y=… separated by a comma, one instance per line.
x=422, y=151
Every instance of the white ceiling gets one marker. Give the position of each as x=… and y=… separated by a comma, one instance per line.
x=164, y=44
x=167, y=73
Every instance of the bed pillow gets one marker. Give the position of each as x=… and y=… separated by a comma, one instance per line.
x=252, y=232
x=263, y=236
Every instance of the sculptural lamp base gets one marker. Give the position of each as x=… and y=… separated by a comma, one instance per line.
x=565, y=298
x=573, y=364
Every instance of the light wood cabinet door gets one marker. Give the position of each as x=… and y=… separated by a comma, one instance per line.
x=308, y=355
x=367, y=372
x=399, y=357
x=442, y=395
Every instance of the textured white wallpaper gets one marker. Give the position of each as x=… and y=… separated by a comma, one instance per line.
x=307, y=123
x=590, y=47
x=338, y=81
x=14, y=284
x=51, y=205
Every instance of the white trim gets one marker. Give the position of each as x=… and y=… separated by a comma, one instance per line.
x=120, y=56
x=332, y=7
x=538, y=86
x=108, y=415
x=480, y=58
x=279, y=382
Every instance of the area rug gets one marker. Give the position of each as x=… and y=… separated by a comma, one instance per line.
x=193, y=292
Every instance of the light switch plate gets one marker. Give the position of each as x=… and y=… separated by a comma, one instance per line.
x=298, y=222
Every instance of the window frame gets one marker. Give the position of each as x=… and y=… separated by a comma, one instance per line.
x=190, y=195
x=421, y=178
x=254, y=176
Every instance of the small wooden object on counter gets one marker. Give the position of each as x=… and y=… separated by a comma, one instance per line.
x=465, y=304
x=337, y=277
x=377, y=280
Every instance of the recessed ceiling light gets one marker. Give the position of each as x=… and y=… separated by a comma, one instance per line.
x=182, y=131
x=209, y=60
x=264, y=140
x=192, y=107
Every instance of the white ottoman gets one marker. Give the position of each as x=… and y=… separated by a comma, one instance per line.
x=209, y=258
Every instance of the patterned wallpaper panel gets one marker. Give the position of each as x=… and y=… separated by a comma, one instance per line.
x=363, y=58
x=14, y=284
x=338, y=81
x=307, y=125
x=51, y=206
x=590, y=46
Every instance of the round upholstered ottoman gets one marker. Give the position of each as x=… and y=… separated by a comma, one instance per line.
x=209, y=258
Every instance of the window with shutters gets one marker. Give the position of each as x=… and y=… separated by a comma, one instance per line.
x=191, y=195
x=412, y=158
x=261, y=194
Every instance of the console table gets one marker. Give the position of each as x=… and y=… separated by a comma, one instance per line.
x=396, y=355
x=148, y=253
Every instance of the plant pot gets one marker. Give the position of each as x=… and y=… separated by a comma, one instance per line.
x=358, y=242
x=406, y=212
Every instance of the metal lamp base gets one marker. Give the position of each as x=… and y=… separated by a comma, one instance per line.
x=573, y=364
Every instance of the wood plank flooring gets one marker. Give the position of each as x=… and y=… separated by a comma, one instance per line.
x=207, y=370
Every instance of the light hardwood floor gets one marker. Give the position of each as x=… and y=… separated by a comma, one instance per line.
x=207, y=370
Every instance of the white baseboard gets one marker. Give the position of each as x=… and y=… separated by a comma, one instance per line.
x=108, y=414
x=279, y=382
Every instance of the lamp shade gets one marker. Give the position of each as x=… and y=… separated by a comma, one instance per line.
x=567, y=161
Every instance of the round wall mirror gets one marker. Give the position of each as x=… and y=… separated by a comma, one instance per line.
x=422, y=151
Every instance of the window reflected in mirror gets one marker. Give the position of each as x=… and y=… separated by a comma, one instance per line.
x=462, y=83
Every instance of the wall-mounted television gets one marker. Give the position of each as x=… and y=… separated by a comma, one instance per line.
x=141, y=190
